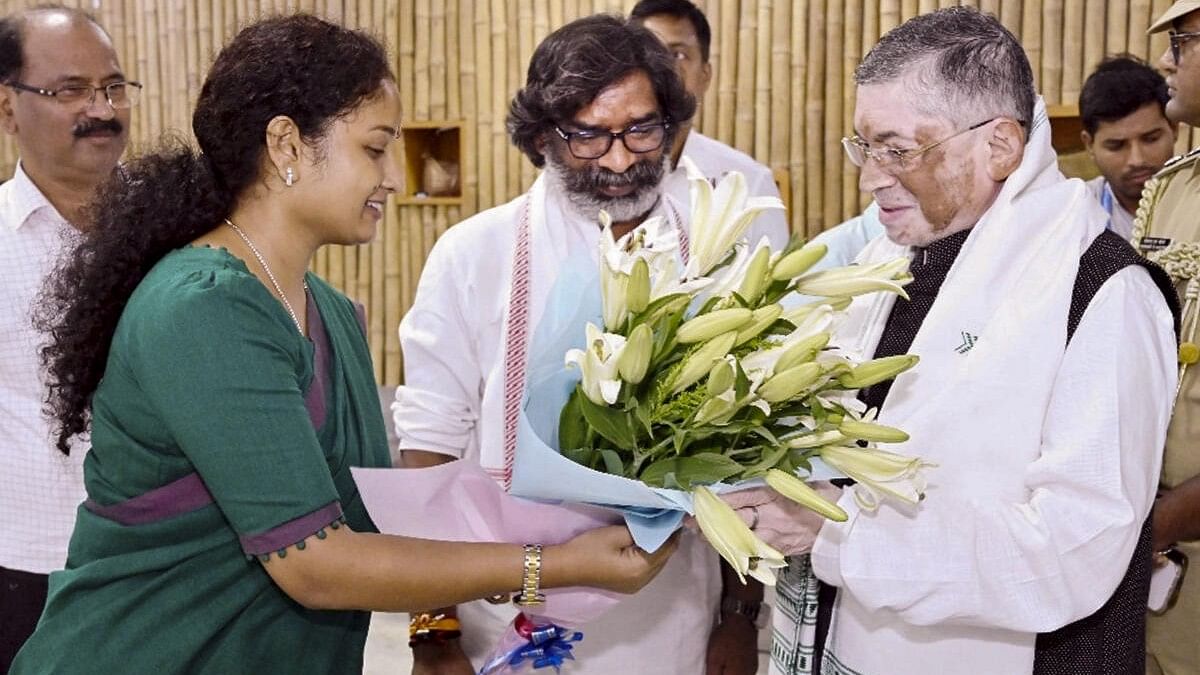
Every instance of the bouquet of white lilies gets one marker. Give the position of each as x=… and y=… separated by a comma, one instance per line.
x=717, y=370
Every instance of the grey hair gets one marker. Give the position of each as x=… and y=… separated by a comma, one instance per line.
x=963, y=65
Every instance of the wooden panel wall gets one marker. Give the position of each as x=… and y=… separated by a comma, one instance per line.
x=782, y=91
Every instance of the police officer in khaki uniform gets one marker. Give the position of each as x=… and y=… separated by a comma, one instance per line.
x=1167, y=230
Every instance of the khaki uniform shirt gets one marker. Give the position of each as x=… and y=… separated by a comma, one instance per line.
x=1167, y=230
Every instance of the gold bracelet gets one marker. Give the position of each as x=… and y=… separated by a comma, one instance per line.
x=531, y=578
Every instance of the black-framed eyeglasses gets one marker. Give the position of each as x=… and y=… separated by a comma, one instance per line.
x=120, y=95
x=1177, y=40
x=895, y=159
x=638, y=139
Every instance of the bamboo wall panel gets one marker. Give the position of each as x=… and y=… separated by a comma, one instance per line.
x=782, y=90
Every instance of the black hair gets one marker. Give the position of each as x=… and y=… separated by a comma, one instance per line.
x=680, y=9
x=12, y=36
x=308, y=69
x=1119, y=86
x=577, y=62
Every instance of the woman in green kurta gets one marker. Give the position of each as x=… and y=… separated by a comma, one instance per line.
x=229, y=392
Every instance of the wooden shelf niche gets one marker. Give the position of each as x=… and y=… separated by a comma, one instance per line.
x=433, y=162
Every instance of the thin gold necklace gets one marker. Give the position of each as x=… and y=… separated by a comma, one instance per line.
x=270, y=275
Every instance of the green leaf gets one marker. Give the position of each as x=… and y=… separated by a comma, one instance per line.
x=771, y=457
x=657, y=308
x=614, y=425
x=584, y=456
x=612, y=462
x=701, y=468
x=818, y=411
x=741, y=385
x=572, y=428
x=641, y=413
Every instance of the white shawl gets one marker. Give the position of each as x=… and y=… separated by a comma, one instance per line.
x=976, y=404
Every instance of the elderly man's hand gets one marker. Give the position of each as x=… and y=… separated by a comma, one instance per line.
x=779, y=521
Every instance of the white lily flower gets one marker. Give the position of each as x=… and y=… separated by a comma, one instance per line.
x=734, y=540
x=623, y=288
x=598, y=363
x=614, y=287
x=719, y=217
x=880, y=474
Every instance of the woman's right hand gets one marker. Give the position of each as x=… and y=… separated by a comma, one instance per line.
x=607, y=558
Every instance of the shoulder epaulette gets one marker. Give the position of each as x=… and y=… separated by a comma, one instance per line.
x=1178, y=162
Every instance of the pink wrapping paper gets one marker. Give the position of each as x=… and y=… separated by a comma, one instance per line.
x=458, y=501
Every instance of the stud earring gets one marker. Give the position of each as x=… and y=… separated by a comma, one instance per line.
x=290, y=177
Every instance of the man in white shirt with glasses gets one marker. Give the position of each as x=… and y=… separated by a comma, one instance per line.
x=65, y=100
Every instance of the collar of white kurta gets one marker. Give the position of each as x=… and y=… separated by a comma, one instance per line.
x=532, y=229
x=990, y=349
x=21, y=199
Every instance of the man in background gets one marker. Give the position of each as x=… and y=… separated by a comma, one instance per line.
x=65, y=100
x=684, y=30
x=1126, y=132
x=1168, y=231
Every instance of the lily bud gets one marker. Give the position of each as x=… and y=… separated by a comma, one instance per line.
x=716, y=411
x=798, y=262
x=637, y=293
x=815, y=440
x=721, y=377
x=788, y=384
x=857, y=280
x=802, y=352
x=635, y=356
x=755, y=280
x=793, y=488
x=877, y=370
x=869, y=431
x=760, y=320
x=713, y=323
x=700, y=362
x=733, y=539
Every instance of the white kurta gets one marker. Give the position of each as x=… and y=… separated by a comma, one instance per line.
x=714, y=159
x=1047, y=460
x=452, y=403
x=1122, y=220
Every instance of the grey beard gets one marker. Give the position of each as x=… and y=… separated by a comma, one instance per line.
x=588, y=205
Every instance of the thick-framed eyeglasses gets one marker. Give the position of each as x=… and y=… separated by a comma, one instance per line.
x=120, y=95
x=638, y=139
x=895, y=159
x=1177, y=40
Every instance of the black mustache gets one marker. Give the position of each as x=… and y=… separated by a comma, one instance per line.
x=642, y=174
x=91, y=126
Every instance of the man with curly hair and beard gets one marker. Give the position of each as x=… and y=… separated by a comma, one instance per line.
x=65, y=100
x=599, y=112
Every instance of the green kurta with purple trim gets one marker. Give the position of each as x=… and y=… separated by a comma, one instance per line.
x=219, y=434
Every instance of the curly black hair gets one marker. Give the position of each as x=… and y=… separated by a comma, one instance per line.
x=308, y=69
x=577, y=62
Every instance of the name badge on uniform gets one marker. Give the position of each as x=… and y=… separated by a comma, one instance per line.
x=1154, y=243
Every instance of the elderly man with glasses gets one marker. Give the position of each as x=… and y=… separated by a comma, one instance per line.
x=601, y=105
x=1167, y=230
x=1043, y=393
x=65, y=100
